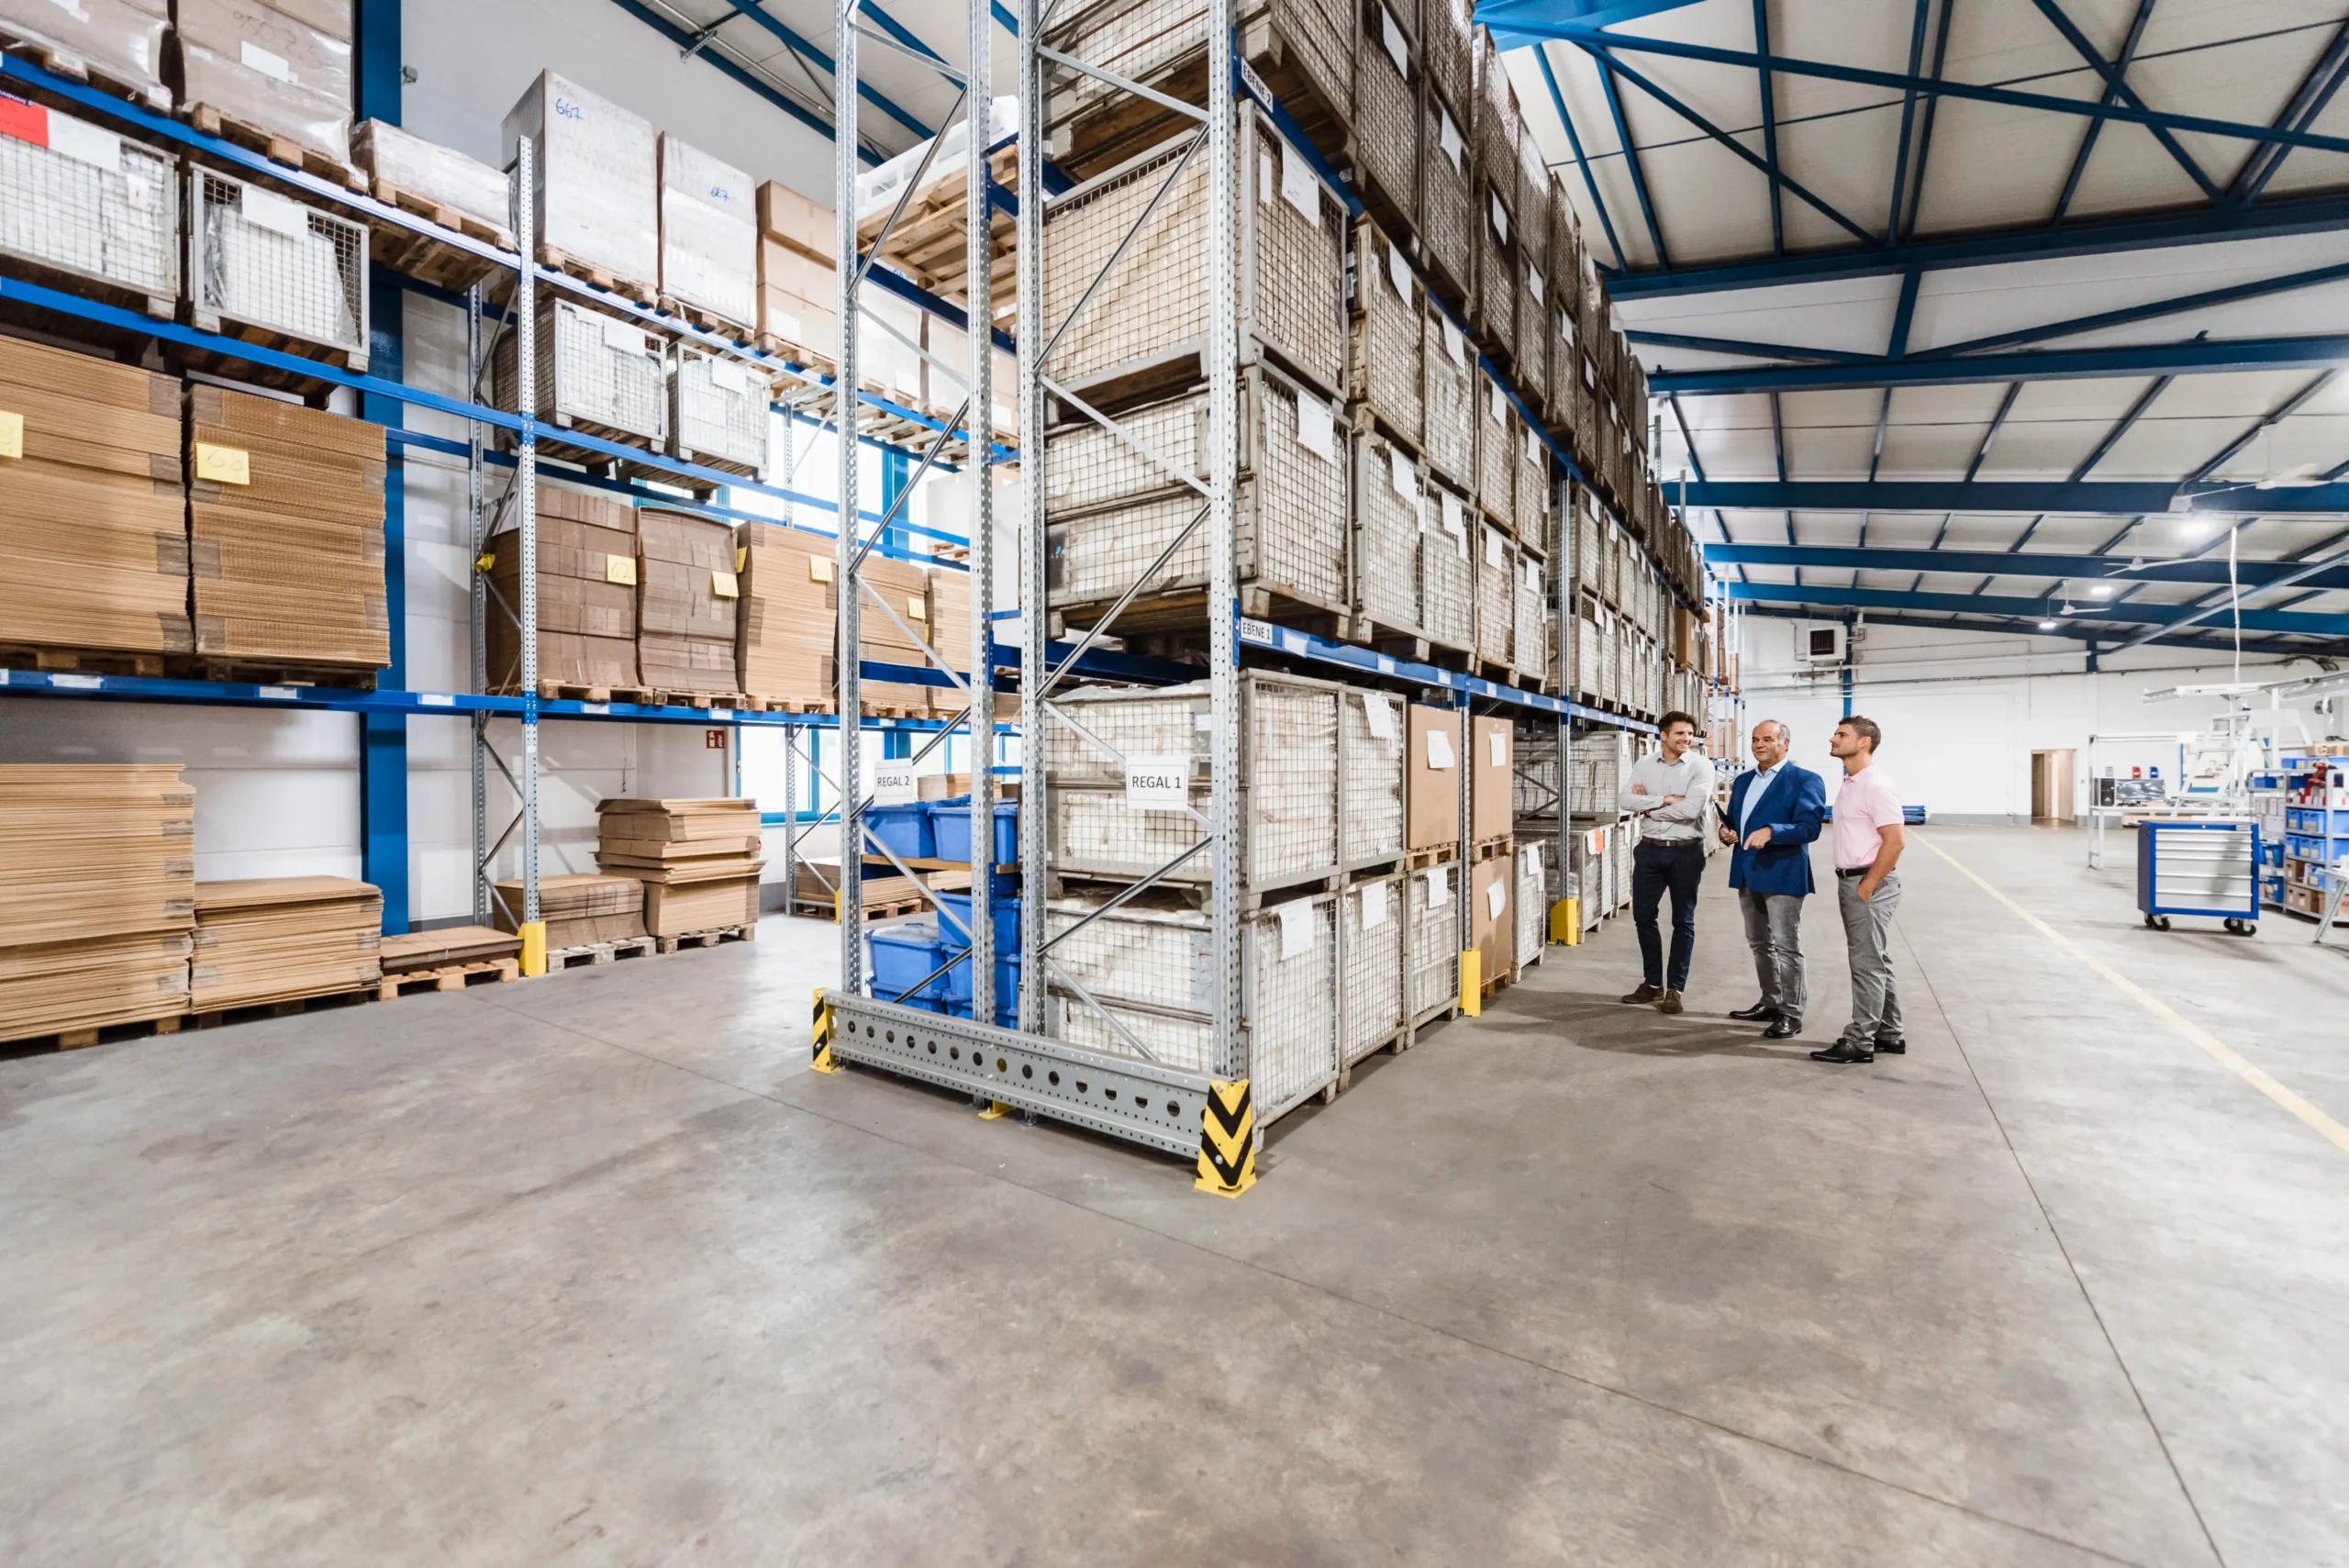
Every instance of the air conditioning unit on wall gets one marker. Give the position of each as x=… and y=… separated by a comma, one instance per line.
x=1820, y=642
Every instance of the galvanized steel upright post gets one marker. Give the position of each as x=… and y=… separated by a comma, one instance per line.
x=1033, y=623
x=978, y=254
x=526, y=479
x=844, y=573
x=1223, y=600
x=478, y=724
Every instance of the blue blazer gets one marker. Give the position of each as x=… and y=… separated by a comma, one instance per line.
x=1793, y=807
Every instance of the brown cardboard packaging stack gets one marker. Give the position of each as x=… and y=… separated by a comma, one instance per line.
x=786, y=629
x=906, y=587
x=688, y=592
x=1492, y=785
x=798, y=301
x=579, y=909
x=97, y=895
x=1492, y=930
x=93, y=523
x=277, y=938
x=1431, y=778
x=285, y=523
x=698, y=861
x=586, y=594
x=283, y=69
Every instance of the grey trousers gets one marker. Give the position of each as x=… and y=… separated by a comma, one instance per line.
x=1867, y=938
x=1773, y=931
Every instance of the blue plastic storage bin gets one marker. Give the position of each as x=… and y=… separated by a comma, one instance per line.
x=1006, y=993
x=903, y=956
x=949, y=830
x=1006, y=920
x=904, y=828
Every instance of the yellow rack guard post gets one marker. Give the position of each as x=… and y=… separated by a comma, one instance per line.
x=1227, y=1140
x=1472, y=983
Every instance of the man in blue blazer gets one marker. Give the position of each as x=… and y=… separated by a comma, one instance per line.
x=1776, y=808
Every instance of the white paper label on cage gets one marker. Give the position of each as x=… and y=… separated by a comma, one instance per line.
x=1449, y=135
x=1297, y=927
x=1495, y=898
x=895, y=786
x=1533, y=282
x=727, y=375
x=1300, y=187
x=1456, y=346
x=1158, y=784
x=1566, y=328
x=1379, y=710
x=258, y=59
x=1453, y=524
x=1315, y=432
x=1438, y=886
x=1373, y=905
x=1589, y=376
x=1263, y=179
x=1203, y=722
x=1397, y=49
x=1401, y=476
x=1398, y=272
x=1533, y=445
x=1494, y=555
x=1254, y=630
x=1500, y=221
x=1496, y=748
x=620, y=336
x=138, y=192
x=267, y=209
x=1439, y=749
x=85, y=144
x=1500, y=403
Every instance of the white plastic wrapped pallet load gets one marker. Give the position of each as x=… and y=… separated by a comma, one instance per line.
x=434, y=174
x=709, y=233
x=598, y=196
x=120, y=40
x=284, y=71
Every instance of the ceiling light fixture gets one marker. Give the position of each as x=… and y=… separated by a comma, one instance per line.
x=2047, y=625
x=2101, y=591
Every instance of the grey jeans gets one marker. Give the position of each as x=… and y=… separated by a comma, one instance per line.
x=1867, y=938
x=1773, y=931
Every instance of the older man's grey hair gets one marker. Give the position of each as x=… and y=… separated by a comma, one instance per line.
x=1784, y=733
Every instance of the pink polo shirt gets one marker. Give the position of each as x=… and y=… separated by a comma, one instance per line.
x=1868, y=803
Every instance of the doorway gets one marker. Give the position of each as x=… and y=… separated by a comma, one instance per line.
x=2051, y=787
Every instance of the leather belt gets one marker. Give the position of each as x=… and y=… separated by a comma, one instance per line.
x=1851, y=871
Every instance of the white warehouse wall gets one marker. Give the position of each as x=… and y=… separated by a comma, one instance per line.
x=1961, y=711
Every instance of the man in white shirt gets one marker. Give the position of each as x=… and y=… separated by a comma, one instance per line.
x=1672, y=791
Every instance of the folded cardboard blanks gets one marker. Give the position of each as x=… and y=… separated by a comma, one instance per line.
x=92, y=520
x=587, y=599
x=282, y=938
x=785, y=649
x=285, y=527
x=449, y=945
x=698, y=861
x=688, y=592
x=579, y=909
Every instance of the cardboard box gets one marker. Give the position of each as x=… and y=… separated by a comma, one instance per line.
x=1493, y=782
x=797, y=272
x=586, y=594
x=709, y=238
x=800, y=222
x=279, y=938
x=688, y=601
x=1492, y=919
x=94, y=850
x=811, y=325
x=439, y=174
x=682, y=909
x=785, y=641
x=579, y=909
x=1431, y=778
x=598, y=186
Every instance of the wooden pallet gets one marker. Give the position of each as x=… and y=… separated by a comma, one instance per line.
x=104, y=1034
x=448, y=977
x=709, y=938
x=81, y=660
x=661, y=697
x=428, y=257
x=602, y=953
x=272, y=671
x=588, y=272
x=211, y=121
x=571, y=691
x=1493, y=848
x=286, y=1007
x=704, y=320
x=152, y=95
x=1420, y=859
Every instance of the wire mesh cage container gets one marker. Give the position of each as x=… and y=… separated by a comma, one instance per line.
x=1387, y=493
x=1444, y=35
x=1499, y=432
x=1533, y=482
x=1495, y=596
x=1531, y=208
x=1534, y=776
x=1098, y=826
x=1448, y=382
x=596, y=374
x=1583, y=678
x=1496, y=119
x=1370, y=779
x=1150, y=969
x=1447, y=195
x=1370, y=966
x=1387, y=110
x=1447, y=573
x=1603, y=668
x=1389, y=305
x=265, y=263
x=1145, y=327
x=1530, y=340
x=86, y=203
x=1529, y=654
x=1493, y=310
x=1558, y=399
x=1431, y=940
x=1110, y=512
x=719, y=413
x=1608, y=583
x=1532, y=899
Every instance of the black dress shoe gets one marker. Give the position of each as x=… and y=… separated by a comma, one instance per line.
x=1760, y=1013
x=1839, y=1052
x=1892, y=1048
x=1781, y=1029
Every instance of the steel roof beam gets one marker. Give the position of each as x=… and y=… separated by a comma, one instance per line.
x=1907, y=115
x=684, y=41
x=2108, y=497
x=2096, y=126
x=2030, y=627
x=2116, y=85
x=2156, y=617
x=1631, y=155
x=807, y=50
x=2316, y=90
x=1573, y=143
x=1770, y=127
x=2198, y=356
x=2113, y=569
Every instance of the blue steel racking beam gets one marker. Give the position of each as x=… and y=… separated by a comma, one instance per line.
x=383, y=737
x=2110, y=496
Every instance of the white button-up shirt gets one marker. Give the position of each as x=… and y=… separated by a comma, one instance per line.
x=1763, y=779
x=1652, y=779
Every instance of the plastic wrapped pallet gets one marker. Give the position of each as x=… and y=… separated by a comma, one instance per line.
x=598, y=187
x=1151, y=967
x=78, y=199
x=278, y=70
x=1388, y=522
x=92, y=521
x=1447, y=195
x=721, y=412
x=1287, y=791
x=709, y=233
x=587, y=595
x=799, y=303
x=1110, y=511
x=1370, y=779
x=441, y=177
x=285, y=523
x=1447, y=570
x=1389, y=307
x=580, y=908
x=279, y=938
x=1449, y=394
x=259, y=260
x=1147, y=323
x=688, y=592
x=1499, y=433
x=1431, y=938
x=1496, y=595
x=119, y=41
x=1370, y=964
x=596, y=374
x=1387, y=105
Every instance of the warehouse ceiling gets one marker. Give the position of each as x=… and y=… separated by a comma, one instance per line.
x=1986, y=278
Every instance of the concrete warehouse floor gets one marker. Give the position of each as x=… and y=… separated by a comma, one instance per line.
x=592, y=1269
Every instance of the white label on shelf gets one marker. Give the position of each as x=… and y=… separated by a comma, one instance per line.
x=1386, y=664
x=1449, y=135
x=622, y=336
x=1315, y=431
x=1158, y=784
x=1397, y=49
x=1398, y=272
x=1379, y=710
x=1496, y=748
x=1373, y=905
x=1252, y=631
x=1439, y=749
x=267, y=209
x=1402, y=476
x=1533, y=282
x=1263, y=179
x=1297, y=926
x=1300, y=187
x=1438, y=881
x=258, y=59
x=78, y=683
x=894, y=786
x=726, y=375
x=85, y=144
x=594, y=708
x=1292, y=641
x=277, y=694
x=721, y=713
x=1496, y=897
x=435, y=699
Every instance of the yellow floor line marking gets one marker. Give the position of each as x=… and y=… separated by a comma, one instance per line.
x=2324, y=1126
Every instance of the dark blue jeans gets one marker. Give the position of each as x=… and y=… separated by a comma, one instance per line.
x=1654, y=868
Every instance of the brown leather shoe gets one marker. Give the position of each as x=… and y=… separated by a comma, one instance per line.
x=1670, y=1004
x=1646, y=993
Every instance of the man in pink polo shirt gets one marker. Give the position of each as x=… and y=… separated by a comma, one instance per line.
x=1867, y=841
